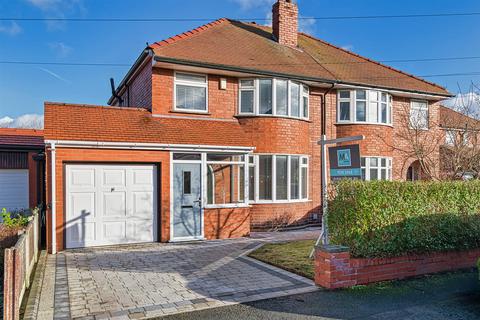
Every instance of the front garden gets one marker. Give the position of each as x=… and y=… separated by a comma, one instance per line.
x=382, y=224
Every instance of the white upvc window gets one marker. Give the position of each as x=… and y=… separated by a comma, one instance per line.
x=278, y=178
x=376, y=168
x=419, y=114
x=191, y=92
x=274, y=97
x=364, y=106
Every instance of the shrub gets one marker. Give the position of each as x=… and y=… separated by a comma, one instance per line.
x=384, y=218
x=14, y=220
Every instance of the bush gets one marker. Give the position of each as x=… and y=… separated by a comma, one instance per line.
x=14, y=220
x=384, y=218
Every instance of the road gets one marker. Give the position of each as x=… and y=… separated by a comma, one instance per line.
x=447, y=296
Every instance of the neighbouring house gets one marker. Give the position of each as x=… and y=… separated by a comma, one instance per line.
x=213, y=133
x=460, y=147
x=22, y=168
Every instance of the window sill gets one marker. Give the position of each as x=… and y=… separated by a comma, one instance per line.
x=204, y=113
x=226, y=206
x=270, y=116
x=363, y=123
x=279, y=201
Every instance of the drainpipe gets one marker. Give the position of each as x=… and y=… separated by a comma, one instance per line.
x=54, y=202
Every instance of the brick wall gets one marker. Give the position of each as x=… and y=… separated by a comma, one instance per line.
x=138, y=91
x=227, y=223
x=334, y=268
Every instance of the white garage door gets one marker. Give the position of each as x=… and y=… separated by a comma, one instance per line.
x=110, y=204
x=13, y=189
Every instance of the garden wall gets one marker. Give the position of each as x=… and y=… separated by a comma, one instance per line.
x=19, y=263
x=334, y=267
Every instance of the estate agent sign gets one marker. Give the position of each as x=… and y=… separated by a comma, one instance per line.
x=345, y=162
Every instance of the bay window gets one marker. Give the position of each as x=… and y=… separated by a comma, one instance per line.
x=273, y=97
x=364, y=106
x=190, y=92
x=279, y=178
x=376, y=168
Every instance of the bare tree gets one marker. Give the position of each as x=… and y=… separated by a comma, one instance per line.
x=460, y=155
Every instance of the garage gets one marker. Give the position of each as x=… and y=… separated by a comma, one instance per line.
x=110, y=204
x=14, y=189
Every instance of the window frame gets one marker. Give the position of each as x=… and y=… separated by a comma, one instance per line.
x=304, y=92
x=191, y=84
x=379, y=167
x=352, y=100
x=427, y=108
x=289, y=199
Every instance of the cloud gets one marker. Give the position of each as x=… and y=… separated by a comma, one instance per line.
x=58, y=9
x=12, y=30
x=55, y=75
x=249, y=4
x=348, y=47
x=468, y=103
x=306, y=24
x=26, y=121
x=61, y=49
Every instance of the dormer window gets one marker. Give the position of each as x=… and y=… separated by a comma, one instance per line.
x=190, y=92
x=273, y=97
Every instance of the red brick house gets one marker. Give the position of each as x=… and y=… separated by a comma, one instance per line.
x=21, y=168
x=214, y=132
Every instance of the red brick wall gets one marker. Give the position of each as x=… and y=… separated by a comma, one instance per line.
x=334, y=268
x=227, y=223
x=138, y=91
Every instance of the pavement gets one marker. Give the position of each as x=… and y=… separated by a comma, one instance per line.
x=151, y=280
x=440, y=297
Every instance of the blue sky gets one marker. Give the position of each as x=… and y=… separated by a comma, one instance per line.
x=24, y=88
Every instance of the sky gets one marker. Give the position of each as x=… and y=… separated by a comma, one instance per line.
x=24, y=88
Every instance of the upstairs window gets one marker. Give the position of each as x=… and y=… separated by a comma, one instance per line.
x=190, y=92
x=364, y=106
x=419, y=115
x=273, y=97
x=450, y=137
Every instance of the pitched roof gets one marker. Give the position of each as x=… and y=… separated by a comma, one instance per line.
x=452, y=119
x=120, y=124
x=28, y=138
x=251, y=47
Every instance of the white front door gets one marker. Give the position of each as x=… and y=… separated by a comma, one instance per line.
x=187, y=211
x=110, y=204
x=14, y=189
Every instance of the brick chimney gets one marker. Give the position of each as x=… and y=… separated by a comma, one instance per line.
x=285, y=22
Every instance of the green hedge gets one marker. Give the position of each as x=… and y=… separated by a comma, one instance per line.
x=384, y=218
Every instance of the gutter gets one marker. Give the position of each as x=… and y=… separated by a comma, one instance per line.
x=285, y=75
x=146, y=146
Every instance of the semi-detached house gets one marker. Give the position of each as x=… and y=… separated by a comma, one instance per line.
x=213, y=133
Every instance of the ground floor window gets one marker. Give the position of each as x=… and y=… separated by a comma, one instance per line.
x=376, y=168
x=278, y=178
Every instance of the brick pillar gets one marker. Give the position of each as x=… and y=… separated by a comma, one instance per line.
x=332, y=267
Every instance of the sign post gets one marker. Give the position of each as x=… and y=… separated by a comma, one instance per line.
x=344, y=163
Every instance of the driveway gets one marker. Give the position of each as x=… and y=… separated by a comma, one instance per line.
x=142, y=281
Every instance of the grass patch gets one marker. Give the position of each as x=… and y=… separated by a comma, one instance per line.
x=291, y=256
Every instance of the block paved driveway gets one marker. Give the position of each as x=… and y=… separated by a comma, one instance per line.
x=143, y=281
